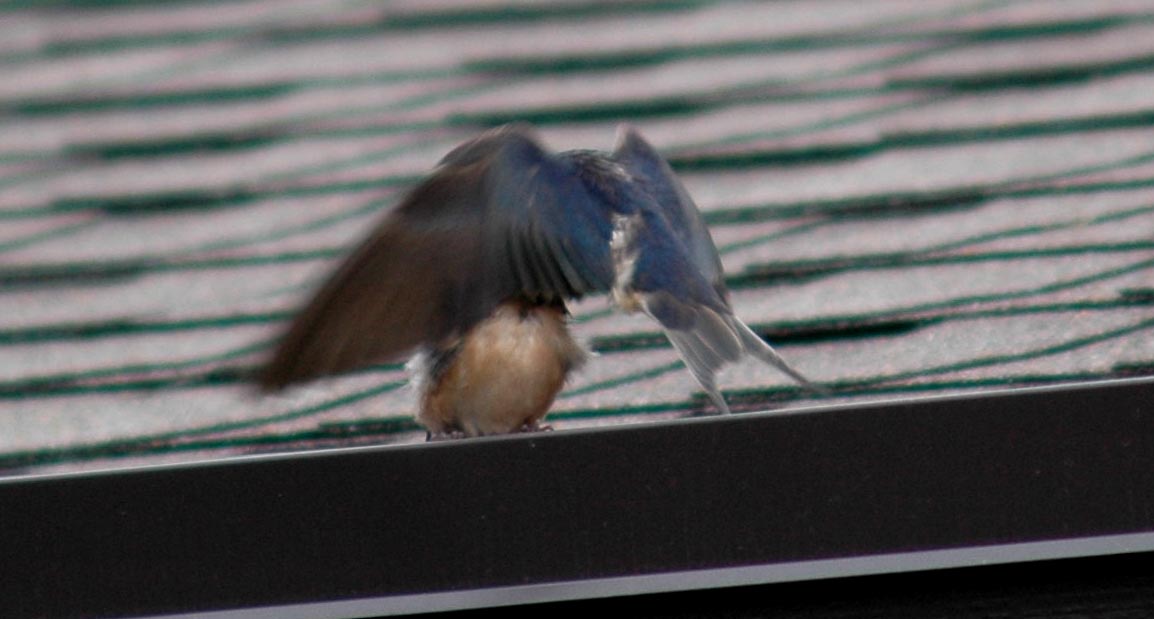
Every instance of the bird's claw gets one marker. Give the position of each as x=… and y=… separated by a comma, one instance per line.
x=436, y=437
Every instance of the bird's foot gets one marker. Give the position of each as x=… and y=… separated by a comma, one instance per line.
x=534, y=427
x=434, y=437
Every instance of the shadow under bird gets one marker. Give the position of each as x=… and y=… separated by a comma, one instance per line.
x=472, y=270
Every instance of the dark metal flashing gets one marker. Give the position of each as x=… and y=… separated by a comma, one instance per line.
x=701, y=503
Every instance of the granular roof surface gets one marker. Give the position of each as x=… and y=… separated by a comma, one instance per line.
x=909, y=198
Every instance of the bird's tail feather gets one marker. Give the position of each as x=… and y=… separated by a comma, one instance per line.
x=704, y=357
x=715, y=340
x=758, y=347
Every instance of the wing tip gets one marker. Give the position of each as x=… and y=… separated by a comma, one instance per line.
x=489, y=142
x=629, y=140
x=279, y=372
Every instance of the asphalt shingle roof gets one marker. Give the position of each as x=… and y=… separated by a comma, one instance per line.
x=909, y=198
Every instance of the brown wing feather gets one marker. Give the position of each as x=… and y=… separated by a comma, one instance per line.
x=399, y=289
x=499, y=218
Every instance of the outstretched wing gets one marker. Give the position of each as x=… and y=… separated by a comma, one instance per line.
x=678, y=274
x=499, y=218
x=653, y=172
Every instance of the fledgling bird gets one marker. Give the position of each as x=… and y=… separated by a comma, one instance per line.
x=472, y=270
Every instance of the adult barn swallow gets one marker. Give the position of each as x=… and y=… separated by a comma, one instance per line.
x=472, y=270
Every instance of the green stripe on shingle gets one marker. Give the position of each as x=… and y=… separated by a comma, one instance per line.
x=54, y=189
x=303, y=27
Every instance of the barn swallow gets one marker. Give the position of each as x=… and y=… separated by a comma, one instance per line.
x=471, y=271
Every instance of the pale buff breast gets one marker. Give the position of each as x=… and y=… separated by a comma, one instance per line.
x=505, y=373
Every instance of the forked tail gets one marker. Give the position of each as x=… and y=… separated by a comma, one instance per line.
x=715, y=340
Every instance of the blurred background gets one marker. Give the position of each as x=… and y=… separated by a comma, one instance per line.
x=910, y=198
